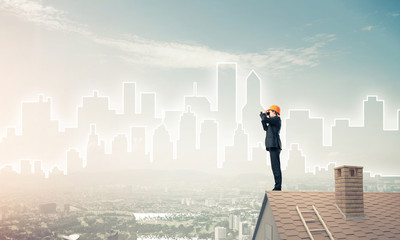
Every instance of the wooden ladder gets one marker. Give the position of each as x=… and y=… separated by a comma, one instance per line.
x=305, y=221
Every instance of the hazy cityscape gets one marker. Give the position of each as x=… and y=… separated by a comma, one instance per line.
x=152, y=184
x=140, y=120
x=192, y=138
x=146, y=204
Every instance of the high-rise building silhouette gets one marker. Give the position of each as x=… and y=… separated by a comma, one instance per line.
x=148, y=105
x=129, y=98
x=209, y=144
x=373, y=114
x=95, y=109
x=250, y=113
x=74, y=162
x=37, y=168
x=296, y=164
x=94, y=151
x=307, y=132
x=172, y=120
x=140, y=157
x=226, y=98
x=56, y=172
x=25, y=167
x=186, y=146
x=36, y=117
x=120, y=144
x=236, y=156
x=227, y=89
x=198, y=104
x=39, y=132
x=10, y=147
x=162, y=148
x=339, y=132
x=259, y=159
x=120, y=158
x=369, y=144
x=302, y=129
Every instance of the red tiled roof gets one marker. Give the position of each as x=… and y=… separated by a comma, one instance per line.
x=381, y=220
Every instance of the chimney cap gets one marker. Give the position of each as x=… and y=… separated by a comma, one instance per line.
x=347, y=166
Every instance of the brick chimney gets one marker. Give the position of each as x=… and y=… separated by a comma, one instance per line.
x=349, y=192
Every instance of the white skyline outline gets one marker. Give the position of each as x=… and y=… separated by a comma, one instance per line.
x=301, y=154
x=149, y=147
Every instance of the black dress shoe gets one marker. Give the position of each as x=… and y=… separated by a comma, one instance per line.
x=276, y=189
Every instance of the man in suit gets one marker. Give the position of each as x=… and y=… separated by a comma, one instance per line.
x=271, y=123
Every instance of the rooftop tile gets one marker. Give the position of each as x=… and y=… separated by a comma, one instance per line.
x=381, y=220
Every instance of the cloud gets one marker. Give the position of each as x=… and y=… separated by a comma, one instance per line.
x=137, y=50
x=47, y=16
x=367, y=28
x=395, y=14
x=176, y=55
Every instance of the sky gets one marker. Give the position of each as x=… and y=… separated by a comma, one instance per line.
x=326, y=56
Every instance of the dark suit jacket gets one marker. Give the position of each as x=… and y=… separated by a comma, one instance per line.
x=273, y=127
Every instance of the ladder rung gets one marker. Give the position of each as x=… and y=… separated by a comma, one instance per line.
x=311, y=220
x=317, y=230
x=325, y=229
x=323, y=223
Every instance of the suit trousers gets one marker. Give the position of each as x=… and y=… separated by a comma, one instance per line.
x=276, y=166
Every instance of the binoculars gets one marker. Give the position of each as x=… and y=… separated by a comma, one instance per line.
x=267, y=113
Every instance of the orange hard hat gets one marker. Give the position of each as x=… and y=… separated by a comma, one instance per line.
x=275, y=108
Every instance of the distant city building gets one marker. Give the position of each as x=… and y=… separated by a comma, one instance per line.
x=220, y=233
x=210, y=202
x=244, y=230
x=25, y=167
x=236, y=222
x=187, y=201
x=47, y=208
